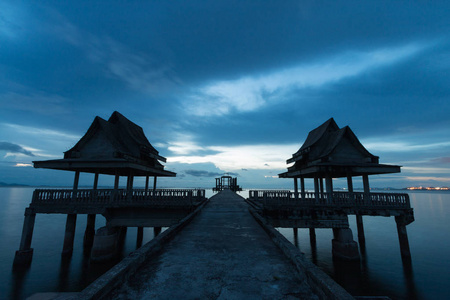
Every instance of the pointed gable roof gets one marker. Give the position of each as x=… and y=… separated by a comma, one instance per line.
x=110, y=147
x=329, y=147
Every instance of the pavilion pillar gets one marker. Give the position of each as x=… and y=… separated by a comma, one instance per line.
x=154, y=183
x=403, y=237
x=321, y=187
x=25, y=253
x=350, y=186
x=146, y=183
x=130, y=180
x=116, y=186
x=95, y=181
x=316, y=189
x=296, y=188
x=302, y=187
x=366, y=188
x=329, y=184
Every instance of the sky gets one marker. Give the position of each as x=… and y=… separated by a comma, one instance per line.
x=227, y=86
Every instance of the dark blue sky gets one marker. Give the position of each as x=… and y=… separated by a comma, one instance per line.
x=227, y=86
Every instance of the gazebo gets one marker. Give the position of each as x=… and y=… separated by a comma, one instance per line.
x=332, y=152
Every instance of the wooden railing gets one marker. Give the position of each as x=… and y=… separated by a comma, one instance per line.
x=119, y=197
x=273, y=199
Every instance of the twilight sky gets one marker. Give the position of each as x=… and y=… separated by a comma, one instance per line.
x=227, y=86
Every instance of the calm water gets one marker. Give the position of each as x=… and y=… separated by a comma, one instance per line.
x=380, y=272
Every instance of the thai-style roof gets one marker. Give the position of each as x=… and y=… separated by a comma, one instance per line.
x=336, y=151
x=117, y=146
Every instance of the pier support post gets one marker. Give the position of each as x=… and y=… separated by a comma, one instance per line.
x=140, y=237
x=89, y=233
x=156, y=231
x=25, y=253
x=105, y=244
x=312, y=236
x=403, y=238
x=360, y=226
x=295, y=230
x=70, y=234
x=343, y=245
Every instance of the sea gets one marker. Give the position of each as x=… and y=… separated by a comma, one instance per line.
x=380, y=272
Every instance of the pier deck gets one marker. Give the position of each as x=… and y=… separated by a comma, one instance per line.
x=223, y=253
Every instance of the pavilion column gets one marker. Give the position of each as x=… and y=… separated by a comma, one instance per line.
x=329, y=184
x=316, y=189
x=366, y=188
x=154, y=183
x=130, y=180
x=25, y=253
x=146, y=183
x=350, y=186
x=321, y=187
x=302, y=187
x=296, y=188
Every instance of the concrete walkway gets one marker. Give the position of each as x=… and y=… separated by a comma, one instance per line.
x=222, y=254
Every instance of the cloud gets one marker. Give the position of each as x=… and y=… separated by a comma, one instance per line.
x=22, y=165
x=202, y=173
x=35, y=102
x=140, y=71
x=242, y=157
x=14, y=148
x=250, y=93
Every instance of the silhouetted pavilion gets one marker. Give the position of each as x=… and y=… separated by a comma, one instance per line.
x=115, y=147
x=333, y=152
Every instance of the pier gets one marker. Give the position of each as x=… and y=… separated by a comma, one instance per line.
x=221, y=252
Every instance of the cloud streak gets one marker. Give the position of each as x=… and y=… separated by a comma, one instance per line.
x=14, y=148
x=253, y=92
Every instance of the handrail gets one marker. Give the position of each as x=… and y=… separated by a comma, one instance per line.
x=274, y=199
x=180, y=197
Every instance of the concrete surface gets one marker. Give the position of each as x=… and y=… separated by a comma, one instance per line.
x=222, y=254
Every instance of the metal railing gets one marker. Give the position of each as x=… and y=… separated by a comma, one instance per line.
x=119, y=197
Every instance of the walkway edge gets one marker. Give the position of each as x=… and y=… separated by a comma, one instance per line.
x=323, y=285
x=120, y=272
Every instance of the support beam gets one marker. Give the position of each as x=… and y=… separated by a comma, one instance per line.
x=295, y=230
x=154, y=183
x=403, y=238
x=360, y=226
x=140, y=237
x=302, y=187
x=312, y=236
x=316, y=189
x=295, y=188
x=70, y=234
x=25, y=253
x=75, y=185
x=130, y=180
x=116, y=182
x=89, y=233
x=343, y=245
x=156, y=231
